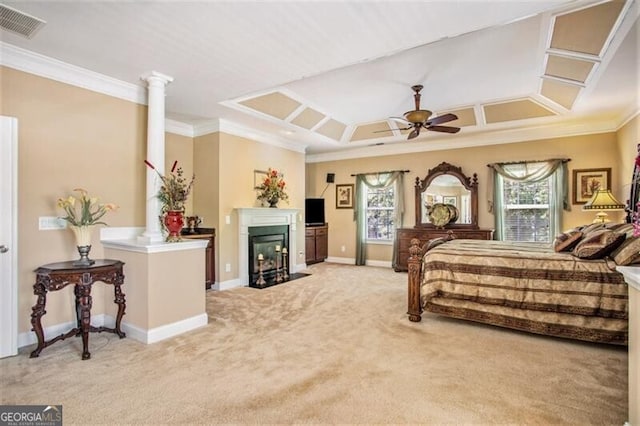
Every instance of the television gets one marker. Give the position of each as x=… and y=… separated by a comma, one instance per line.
x=314, y=211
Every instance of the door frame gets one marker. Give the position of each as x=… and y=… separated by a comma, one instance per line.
x=9, y=236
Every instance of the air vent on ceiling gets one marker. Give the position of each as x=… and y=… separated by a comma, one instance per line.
x=19, y=22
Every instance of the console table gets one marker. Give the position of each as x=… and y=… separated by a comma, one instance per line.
x=56, y=276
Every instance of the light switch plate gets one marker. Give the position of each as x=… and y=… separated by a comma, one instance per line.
x=48, y=223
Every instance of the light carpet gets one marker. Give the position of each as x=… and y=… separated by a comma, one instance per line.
x=333, y=347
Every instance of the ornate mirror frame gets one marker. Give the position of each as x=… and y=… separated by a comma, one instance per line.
x=471, y=184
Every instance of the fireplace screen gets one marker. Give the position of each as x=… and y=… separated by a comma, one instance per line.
x=268, y=255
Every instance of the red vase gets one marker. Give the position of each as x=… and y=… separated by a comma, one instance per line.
x=174, y=222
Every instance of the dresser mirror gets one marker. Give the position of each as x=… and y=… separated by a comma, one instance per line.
x=446, y=184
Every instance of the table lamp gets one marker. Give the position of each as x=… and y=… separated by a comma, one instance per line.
x=603, y=200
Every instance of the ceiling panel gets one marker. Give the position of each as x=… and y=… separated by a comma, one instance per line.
x=308, y=118
x=569, y=68
x=275, y=104
x=587, y=30
x=561, y=93
x=367, y=131
x=332, y=129
x=514, y=110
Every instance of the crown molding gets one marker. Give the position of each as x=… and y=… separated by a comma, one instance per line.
x=484, y=137
x=34, y=63
x=179, y=128
x=229, y=127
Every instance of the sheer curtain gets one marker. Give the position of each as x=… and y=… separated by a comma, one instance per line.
x=533, y=171
x=375, y=181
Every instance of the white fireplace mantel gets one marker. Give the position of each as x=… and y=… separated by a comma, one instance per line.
x=257, y=216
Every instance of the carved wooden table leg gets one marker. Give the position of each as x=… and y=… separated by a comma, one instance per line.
x=120, y=301
x=37, y=312
x=85, y=301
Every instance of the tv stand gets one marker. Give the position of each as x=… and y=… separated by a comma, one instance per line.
x=316, y=243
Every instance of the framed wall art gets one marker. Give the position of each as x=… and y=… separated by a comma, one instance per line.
x=344, y=196
x=450, y=200
x=258, y=178
x=587, y=181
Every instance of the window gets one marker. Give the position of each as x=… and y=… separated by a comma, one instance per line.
x=380, y=213
x=527, y=214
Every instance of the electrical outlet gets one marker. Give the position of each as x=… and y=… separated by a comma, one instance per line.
x=343, y=249
x=227, y=220
x=48, y=223
x=227, y=267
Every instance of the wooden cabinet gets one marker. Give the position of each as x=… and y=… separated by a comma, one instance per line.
x=316, y=243
x=405, y=235
x=210, y=254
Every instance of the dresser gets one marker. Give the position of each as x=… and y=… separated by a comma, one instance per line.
x=405, y=235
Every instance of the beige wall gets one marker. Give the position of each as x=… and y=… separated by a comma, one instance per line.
x=628, y=140
x=590, y=151
x=71, y=137
x=239, y=157
x=180, y=148
x=68, y=138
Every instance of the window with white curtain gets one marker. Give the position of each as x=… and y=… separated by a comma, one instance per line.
x=526, y=210
x=380, y=214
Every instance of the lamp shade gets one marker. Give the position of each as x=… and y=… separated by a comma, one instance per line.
x=603, y=199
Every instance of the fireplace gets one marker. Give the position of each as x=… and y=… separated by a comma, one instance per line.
x=250, y=217
x=268, y=255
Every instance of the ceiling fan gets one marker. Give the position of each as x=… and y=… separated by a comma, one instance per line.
x=419, y=119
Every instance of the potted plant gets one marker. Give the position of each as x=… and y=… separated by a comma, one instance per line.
x=81, y=213
x=173, y=194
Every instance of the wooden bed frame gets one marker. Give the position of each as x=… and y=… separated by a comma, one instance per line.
x=415, y=268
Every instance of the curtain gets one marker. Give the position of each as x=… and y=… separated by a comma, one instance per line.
x=534, y=171
x=375, y=181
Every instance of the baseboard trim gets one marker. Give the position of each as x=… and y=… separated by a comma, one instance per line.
x=352, y=261
x=165, y=331
x=145, y=336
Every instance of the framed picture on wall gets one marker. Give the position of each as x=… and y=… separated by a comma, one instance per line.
x=450, y=200
x=587, y=181
x=344, y=196
x=258, y=178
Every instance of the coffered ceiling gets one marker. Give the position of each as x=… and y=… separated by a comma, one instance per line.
x=324, y=77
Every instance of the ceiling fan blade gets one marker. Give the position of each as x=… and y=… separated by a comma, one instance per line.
x=444, y=129
x=445, y=118
x=391, y=130
x=400, y=120
x=414, y=134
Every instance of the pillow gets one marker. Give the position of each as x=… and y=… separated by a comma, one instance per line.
x=628, y=253
x=622, y=228
x=435, y=242
x=586, y=229
x=567, y=241
x=598, y=244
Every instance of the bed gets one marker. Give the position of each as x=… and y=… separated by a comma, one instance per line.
x=526, y=286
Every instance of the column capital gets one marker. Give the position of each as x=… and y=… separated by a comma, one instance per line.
x=156, y=77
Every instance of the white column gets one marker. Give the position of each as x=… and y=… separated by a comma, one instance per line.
x=155, y=151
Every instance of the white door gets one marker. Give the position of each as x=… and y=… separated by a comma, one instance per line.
x=8, y=236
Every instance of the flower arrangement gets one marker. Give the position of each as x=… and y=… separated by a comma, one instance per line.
x=83, y=210
x=175, y=188
x=272, y=188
